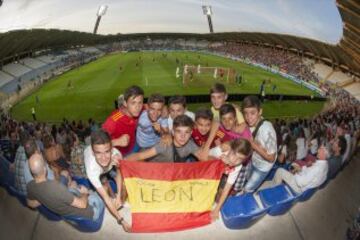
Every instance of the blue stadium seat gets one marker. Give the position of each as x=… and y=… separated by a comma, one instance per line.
x=277, y=199
x=50, y=215
x=242, y=211
x=85, y=224
x=13, y=192
x=306, y=195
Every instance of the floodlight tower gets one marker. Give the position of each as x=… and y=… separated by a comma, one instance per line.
x=101, y=12
x=208, y=12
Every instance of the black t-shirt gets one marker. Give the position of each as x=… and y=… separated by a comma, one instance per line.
x=57, y=198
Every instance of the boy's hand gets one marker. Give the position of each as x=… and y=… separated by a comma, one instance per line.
x=157, y=127
x=203, y=154
x=122, y=141
x=72, y=184
x=225, y=147
x=117, y=201
x=239, y=128
x=165, y=112
x=83, y=190
x=217, y=142
x=115, y=159
x=166, y=139
x=214, y=215
x=126, y=226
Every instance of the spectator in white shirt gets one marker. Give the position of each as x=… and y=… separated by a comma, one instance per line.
x=306, y=177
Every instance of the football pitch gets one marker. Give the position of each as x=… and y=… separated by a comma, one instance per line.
x=90, y=90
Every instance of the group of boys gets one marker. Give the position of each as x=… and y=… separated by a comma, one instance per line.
x=159, y=133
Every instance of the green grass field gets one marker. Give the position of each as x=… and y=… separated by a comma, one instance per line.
x=96, y=85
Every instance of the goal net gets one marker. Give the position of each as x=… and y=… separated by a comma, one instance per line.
x=201, y=75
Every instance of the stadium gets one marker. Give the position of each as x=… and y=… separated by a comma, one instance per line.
x=62, y=87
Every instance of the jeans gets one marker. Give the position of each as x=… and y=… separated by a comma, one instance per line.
x=96, y=203
x=94, y=200
x=257, y=177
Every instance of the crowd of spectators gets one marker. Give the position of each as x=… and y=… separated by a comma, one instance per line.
x=283, y=60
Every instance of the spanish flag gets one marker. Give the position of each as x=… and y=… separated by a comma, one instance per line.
x=170, y=196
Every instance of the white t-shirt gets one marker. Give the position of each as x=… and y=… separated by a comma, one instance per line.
x=234, y=172
x=93, y=169
x=266, y=136
x=187, y=113
x=301, y=151
x=313, y=176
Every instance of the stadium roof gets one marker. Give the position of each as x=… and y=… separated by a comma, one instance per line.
x=345, y=54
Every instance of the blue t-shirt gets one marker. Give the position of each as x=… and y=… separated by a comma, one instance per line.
x=146, y=136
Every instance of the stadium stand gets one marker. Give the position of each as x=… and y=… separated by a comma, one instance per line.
x=16, y=69
x=32, y=63
x=5, y=78
x=322, y=70
x=339, y=78
x=48, y=59
x=91, y=50
x=71, y=52
x=353, y=89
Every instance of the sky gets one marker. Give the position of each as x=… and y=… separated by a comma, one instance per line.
x=316, y=19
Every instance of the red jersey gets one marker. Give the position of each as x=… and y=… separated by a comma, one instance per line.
x=117, y=124
x=199, y=139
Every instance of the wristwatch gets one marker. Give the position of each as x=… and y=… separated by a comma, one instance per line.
x=120, y=221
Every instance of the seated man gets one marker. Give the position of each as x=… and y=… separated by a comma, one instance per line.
x=56, y=197
x=306, y=177
x=151, y=124
x=338, y=148
x=179, y=150
x=100, y=158
x=23, y=174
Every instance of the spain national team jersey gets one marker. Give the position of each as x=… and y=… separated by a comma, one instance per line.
x=117, y=124
x=200, y=140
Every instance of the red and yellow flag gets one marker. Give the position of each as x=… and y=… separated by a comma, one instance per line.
x=170, y=196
